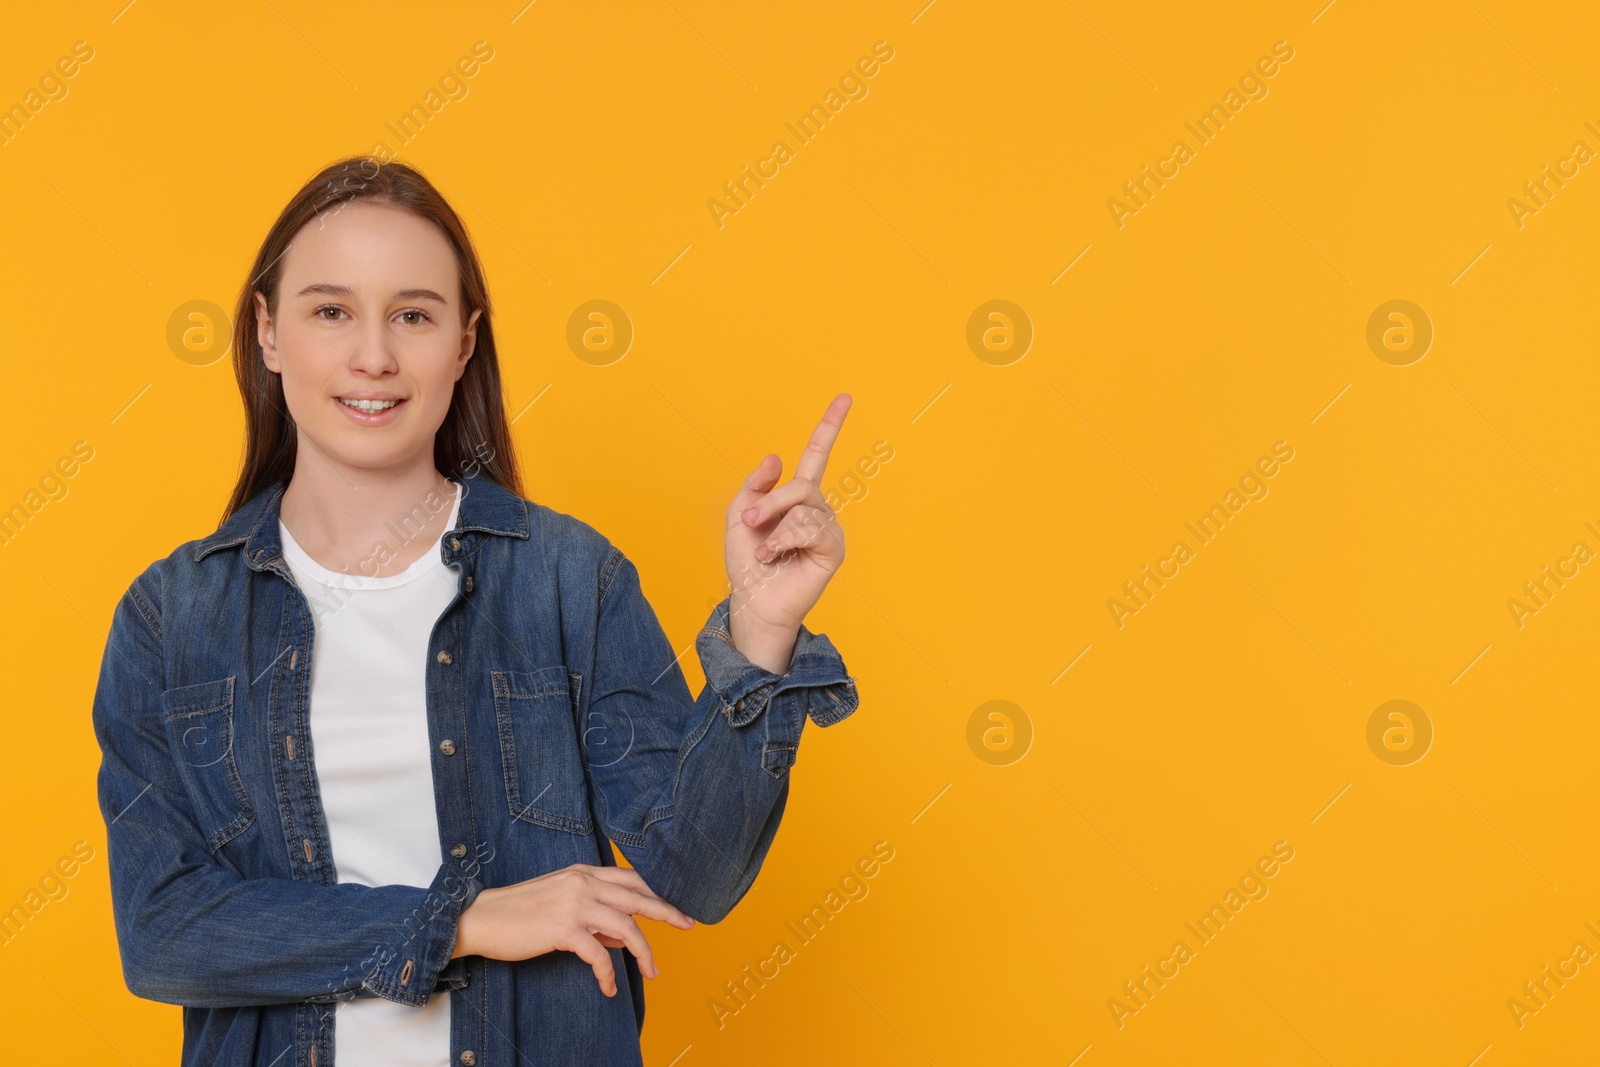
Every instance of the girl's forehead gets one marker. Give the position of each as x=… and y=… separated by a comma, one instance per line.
x=371, y=249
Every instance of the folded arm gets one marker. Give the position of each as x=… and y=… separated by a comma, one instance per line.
x=190, y=928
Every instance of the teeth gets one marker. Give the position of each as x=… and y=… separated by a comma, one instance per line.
x=369, y=405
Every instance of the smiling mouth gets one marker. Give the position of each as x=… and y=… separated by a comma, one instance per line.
x=371, y=407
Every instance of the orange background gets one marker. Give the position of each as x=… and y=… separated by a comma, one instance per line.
x=1229, y=313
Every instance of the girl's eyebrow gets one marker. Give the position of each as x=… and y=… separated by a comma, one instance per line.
x=329, y=289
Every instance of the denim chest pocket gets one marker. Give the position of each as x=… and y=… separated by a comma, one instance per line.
x=537, y=715
x=199, y=723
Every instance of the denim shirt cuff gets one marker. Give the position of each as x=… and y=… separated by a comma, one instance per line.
x=747, y=689
x=409, y=974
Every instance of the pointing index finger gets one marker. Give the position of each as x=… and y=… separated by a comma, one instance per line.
x=814, y=460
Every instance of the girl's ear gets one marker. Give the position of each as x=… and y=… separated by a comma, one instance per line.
x=266, y=335
x=469, y=341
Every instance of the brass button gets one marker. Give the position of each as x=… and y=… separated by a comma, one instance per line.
x=448, y=747
x=469, y=1057
x=469, y=583
x=458, y=850
x=443, y=657
x=455, y=546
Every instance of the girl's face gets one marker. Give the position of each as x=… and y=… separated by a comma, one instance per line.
x=369, y=309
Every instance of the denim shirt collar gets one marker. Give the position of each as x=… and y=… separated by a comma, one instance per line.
x=486, y=508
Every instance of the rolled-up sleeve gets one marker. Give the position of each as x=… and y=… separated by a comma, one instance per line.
x=816, y=681
x=695, y=795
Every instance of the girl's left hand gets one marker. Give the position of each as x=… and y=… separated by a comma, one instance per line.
x=784, y=543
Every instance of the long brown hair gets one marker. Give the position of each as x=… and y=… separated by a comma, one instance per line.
x=474, y=436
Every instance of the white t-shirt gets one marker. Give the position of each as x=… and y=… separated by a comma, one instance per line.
x=373, y=760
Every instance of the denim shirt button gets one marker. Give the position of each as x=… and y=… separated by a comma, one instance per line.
x=455, y=544
x=448, y=747
x=444, y=657
x=469, y=583
x=458, y=850
x=469, y=1057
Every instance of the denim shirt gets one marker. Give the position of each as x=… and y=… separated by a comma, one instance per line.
x=559, y=722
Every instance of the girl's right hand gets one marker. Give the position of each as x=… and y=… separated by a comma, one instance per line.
x=582, y=909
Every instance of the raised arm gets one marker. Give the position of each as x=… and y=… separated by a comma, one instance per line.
x=694, y=794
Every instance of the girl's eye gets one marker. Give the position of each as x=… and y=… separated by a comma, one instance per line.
x=326, y=307
x=424, y=316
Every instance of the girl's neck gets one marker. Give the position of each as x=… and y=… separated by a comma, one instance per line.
x=365, y=521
